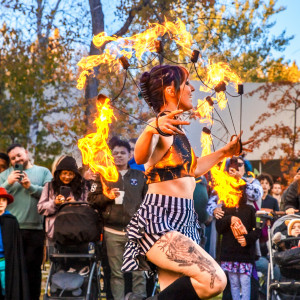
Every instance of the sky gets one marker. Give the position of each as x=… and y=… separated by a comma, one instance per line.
x=290, y=21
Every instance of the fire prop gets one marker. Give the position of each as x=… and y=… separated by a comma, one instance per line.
x=117, y=52
x=94, y=149
x=127, y=46
x=219, y=75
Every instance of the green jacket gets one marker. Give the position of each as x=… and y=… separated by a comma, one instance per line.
x=24, y=207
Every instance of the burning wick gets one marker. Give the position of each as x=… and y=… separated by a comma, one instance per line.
x=158, y=46
x=206, y=130
x=195, y=56
x=240, y=89
x=220, y=87
x=209, y=100
x=124, y=62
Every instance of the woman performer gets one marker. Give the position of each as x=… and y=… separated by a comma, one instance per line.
x=165, y=228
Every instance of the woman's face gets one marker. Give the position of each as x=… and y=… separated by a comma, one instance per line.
x=66, y=176
x=185, y=95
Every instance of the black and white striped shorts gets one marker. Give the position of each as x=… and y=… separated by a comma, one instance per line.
x=157, y=215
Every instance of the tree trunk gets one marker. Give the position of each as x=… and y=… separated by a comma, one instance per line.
x=91, y=90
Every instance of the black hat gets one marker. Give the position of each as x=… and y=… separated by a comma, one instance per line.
x=68, y=163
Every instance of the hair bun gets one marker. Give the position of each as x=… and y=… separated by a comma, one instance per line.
x=145, y=78
x=144, y=86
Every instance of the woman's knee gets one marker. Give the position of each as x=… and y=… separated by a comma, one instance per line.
x=206, y=289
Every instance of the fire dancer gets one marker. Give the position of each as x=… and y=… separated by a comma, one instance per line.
x=165, y=229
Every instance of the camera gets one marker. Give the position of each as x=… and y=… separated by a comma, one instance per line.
x=19, y=167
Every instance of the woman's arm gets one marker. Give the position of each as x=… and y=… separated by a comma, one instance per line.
x=46, y=205
x=148, y=140
x=205, y=163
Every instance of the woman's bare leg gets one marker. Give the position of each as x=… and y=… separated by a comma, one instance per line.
x=176, y=254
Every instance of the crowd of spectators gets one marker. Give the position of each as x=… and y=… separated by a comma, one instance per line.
x=33, y=196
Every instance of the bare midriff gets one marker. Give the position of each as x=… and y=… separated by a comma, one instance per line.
x=180, y=187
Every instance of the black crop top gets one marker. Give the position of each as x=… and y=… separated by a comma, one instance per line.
x=179, y=161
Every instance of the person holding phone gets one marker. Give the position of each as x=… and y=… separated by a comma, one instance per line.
x=26, y=192
x=66, y=186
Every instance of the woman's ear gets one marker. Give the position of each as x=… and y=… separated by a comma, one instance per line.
x=170, y=90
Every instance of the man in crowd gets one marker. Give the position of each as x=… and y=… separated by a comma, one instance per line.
x=25, y=182
x=276, y=193
x=118, y=206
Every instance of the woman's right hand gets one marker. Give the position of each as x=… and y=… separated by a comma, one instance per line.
x=60, y=199
x=218, y=213
x=167, y=123
x=291, y=211
x=234, y=220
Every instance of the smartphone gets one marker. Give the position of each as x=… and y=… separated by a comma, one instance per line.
x=19, y=167
x=65, y=191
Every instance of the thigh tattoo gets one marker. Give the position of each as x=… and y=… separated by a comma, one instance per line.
x=183, y=251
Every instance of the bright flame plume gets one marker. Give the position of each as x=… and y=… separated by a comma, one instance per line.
x=215, y=73
x=226, y=186
x=137, y=44
x=94, y=149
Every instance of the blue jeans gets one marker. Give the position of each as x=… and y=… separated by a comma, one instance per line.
x=240, y=283
x=115, y=245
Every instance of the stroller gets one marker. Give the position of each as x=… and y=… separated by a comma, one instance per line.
x=287, y=259
x=75, y=266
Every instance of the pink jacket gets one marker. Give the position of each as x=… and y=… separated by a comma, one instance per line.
x=47, y=207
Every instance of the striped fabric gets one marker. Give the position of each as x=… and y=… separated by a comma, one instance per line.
x=157, y=215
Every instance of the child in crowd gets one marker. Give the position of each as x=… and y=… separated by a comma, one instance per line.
x=12, y=267
x=238, y=246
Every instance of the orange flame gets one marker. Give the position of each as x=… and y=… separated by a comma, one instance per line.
x=127, y=46
x=94, y=149
x=226, y=186
x=206, y=142
x=215, y=74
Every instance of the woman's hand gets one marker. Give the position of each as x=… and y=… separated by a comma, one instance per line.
x=241, y=239
x=291, y=211
x=218, y=213
x=60, y=199
x=167, y=123
x=235, y=146
x=235, y=219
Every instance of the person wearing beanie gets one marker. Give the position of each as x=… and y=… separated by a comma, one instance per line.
x=66, y=174
x=12, y=267
x=4, y=162
x=25, y=182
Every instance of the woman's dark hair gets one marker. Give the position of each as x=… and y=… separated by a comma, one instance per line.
x=76, y=185
x=152, y=84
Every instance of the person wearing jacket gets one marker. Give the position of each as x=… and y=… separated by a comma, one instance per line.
x=238, y=250
x=118, y=206
x=292, y=196
x=66, y=174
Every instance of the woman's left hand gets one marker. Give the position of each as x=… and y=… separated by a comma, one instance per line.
x=241, y=239
x=235, y=146
x=71, y=199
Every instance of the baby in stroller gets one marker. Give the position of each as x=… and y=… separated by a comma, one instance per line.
x=75, y=267
x=286, y=242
